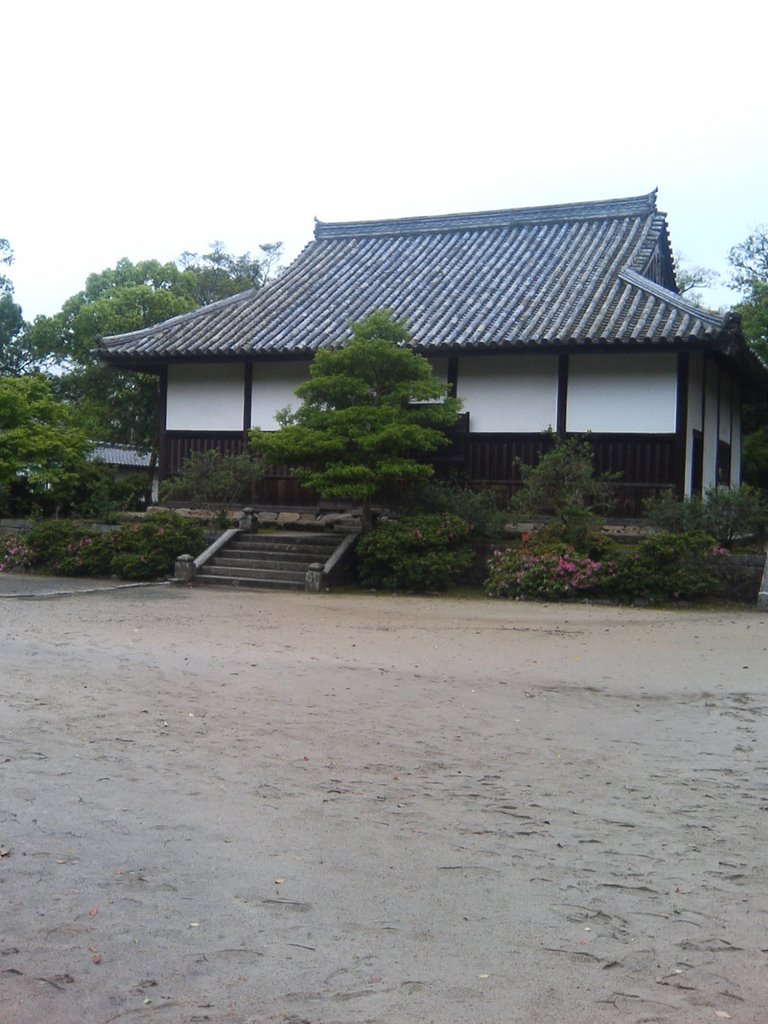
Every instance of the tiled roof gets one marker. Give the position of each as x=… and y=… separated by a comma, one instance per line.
x=583, y=273
x=119, y=455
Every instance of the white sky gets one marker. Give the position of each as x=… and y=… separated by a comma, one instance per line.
x=148, y=128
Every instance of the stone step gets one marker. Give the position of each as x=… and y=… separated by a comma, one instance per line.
x=309, y=554
x=274, y=560
x=295, y=542
x=215, y=568
x=235, y=560
x=239, y=581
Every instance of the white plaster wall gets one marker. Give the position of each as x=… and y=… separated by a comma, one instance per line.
x=274, y=388
x=509, y=393
x=626, y=393
x=206, y=396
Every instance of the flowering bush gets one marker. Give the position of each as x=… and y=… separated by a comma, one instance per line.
x=138, y=551
x=147, y=550
x=669, y=567
x=88, y=555
x=14, y=554
x=418, y=553
x=663, y=567
x=50, y=540
x=547, y=572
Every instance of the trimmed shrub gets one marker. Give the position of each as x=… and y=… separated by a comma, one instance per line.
x=544, y=570
x=668, y=567
x=480, y=509
x=90, y=555
x=665, y=567
x=672, y=515
x=722, y=513
x=148, y=550
x=214, y=481
x=418, y=553
x=137, y=551
x=563, y=484
x=738, y=512
x=51, y=540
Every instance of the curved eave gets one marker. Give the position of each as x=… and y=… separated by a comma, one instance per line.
x=723, y=341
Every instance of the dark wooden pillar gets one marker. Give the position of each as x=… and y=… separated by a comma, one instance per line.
x=562, y=395
x=247, y=397
x=162, y=415
x=681, y=422
x=453, y=376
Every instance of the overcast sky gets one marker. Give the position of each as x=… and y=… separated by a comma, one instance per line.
x=150, y=128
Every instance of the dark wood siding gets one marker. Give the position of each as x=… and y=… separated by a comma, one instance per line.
x=180, y=444
x=645, y=464
x=277, y=487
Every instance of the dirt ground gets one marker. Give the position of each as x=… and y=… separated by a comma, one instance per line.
x=236, y=806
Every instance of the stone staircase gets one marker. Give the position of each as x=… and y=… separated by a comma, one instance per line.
x=278, y=561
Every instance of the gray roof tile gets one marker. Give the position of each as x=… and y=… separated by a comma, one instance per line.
x=119, y=455
x=538, y=276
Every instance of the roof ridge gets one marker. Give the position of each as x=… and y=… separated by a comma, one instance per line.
x=601, y=208
x=634, y=277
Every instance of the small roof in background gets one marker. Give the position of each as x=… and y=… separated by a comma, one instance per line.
x=119, y=455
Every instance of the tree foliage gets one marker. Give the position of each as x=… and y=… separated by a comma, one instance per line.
x=418, y=553
x=16, y=356
x=213, y=480
x=370, y=414
x=217, y=274
x=754, y=318
x=690, y=277
x=122, y=407
x=749, y=261
x=563, y=484
x=41, y=448
x=722, y=513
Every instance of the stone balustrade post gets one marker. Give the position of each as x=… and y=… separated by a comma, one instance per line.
x=246, y=519
x=313, y=580
x=184, y=570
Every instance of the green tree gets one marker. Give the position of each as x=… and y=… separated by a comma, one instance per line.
x=213, y=480
x=563, y=484
x=16, y=355
x=690, y=277
x=42, y=451
x=218, y=274
x=754, y=318
x=6, y=259
x=113, y=405
x=755, y=456
x=749, y=261
x=370, y=414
